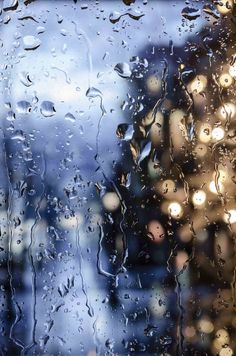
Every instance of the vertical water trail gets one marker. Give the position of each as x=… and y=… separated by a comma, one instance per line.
x=18, y=311
x=99, y=253
x=178, y=292
x=31, y=258
x=80, y=32
x=84, y=287
x=95, y=337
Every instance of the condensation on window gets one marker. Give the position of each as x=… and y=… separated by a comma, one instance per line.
x=117, y=179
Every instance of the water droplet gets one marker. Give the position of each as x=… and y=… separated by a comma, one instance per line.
x=40, y=29
x=63, y=290
x=93, y=93
x=123, y=69
x=210, y=9
x=165, y=340
x=84, y=6
x=47, y=109
x=23, y=107
x=110, y=344
x=133, y=14
x=43, y=341
x=25, y=79
x=145, y=152
x=125, y=131
x=10, y=5
x=55, y=307
x=31, y=42
x=190, y=13
x=69, y=117
x=10, y=116
x=18, y=135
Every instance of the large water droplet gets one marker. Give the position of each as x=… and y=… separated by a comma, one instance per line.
x=31, y=42
x=23, y=107
x=123, y=69
x=145, y=152
x=133, y=14
x=47, y=109
x=10, y=5
x=190, y=13
x=125, y=131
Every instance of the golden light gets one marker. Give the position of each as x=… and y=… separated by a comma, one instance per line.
x=111, y=201
x=232, y=70
x=153, y=118
x=199, y=198
x=226, y=111
x=180, y=260
x=221, y=175
x=189, y=332
x=205, y=133
x=226, y=351
x=221, y=339
x=175, y=210
x=178, y=131
x=225, y=6
x=153, y=84
x=168, y=186
x=213, y=189
x=205, y=326
x=156, y=231
x=200, y=150
x=218, y=133
x=198, y=84
x=226, y=80
x=156, y=131
x=230, y=216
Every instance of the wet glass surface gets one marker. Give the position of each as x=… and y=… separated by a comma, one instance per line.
x=117, y=180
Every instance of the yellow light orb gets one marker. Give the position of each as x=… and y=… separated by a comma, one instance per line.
x=155, y=229
x=218, y=133
x=226, y=351
x=153, y=84
x=189, y=332
x=198, y=84
x=175, y=210
x=205, y=326
x=168, y=186
x=230, y=216
x=111, y=201
x=213, y=189
x=221, y=175
x=226, y=80
x=221, y=338
x=205, y=133
x=181, y=260
x=225, y=6
x=227, y=111
x=199, y=198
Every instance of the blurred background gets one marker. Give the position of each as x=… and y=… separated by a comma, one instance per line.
x=117, y=180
